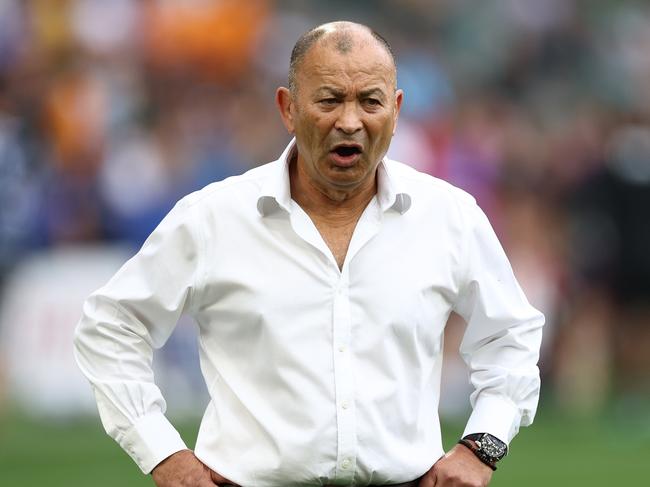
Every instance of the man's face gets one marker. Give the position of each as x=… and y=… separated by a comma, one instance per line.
x=344, y=113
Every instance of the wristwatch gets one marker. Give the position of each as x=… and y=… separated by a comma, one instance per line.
x=488, y=448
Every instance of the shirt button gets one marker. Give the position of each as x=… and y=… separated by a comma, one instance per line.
x=345, y=464
x=345, y=404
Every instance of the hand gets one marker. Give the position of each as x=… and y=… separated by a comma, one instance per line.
x=458, y=468
x=183, y=469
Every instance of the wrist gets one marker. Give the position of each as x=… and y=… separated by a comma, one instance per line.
x=486, y=447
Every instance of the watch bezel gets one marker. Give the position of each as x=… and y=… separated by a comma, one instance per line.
x=492, y=447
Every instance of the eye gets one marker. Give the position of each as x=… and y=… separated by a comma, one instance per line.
x=372, y=102
x=328, y=102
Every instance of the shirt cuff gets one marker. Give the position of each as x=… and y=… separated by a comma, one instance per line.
x=150, y=440
x=495, y=415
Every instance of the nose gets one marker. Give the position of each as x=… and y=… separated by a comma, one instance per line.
x=349, y=120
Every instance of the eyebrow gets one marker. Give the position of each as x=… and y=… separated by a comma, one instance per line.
x=330, y=90
x=339, y=93
x=372, y=91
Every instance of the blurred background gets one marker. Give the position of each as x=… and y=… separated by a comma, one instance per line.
x=111, y=111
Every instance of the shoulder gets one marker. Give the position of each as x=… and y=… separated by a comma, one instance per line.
x=425, y=187
x=232, y=190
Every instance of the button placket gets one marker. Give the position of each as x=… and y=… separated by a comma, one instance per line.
x=343, y=380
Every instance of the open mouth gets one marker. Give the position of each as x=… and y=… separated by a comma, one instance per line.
x=346, y=154
x=347, y=151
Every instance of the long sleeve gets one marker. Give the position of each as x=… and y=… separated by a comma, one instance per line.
x=123, y=322
x=503, y=336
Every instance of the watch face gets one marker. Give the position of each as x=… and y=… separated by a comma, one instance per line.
x=492, y=447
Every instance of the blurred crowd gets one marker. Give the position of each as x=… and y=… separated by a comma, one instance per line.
x=111, y=111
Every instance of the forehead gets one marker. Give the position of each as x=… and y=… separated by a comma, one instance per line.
x=341, y=60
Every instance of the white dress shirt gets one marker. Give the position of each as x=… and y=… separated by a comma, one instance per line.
x=316, y=375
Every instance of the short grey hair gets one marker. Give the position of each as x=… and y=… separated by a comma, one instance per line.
x=343, y=44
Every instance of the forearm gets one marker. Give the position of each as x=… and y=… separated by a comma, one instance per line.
x=505, y=377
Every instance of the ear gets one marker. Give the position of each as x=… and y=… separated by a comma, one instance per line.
x=285, y=105
x=399, y=97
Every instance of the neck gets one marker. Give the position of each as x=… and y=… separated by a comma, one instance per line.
x=334, y=205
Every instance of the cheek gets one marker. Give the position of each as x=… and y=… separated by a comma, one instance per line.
x=381, y=131
x=322, y=126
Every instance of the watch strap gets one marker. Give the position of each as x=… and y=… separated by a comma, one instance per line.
x=471, y=444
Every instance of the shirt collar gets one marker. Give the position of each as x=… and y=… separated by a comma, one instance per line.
x=276, y=190
x=390, y=192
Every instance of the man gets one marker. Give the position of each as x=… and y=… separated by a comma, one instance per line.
x=321, y=283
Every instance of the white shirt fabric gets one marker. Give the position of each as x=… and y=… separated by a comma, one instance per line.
x=316, y=375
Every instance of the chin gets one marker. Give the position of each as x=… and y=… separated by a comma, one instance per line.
x=344, y=185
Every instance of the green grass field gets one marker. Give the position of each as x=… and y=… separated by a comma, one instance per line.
x=556, y=451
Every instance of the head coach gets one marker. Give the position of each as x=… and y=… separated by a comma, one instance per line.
x=321, y=283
